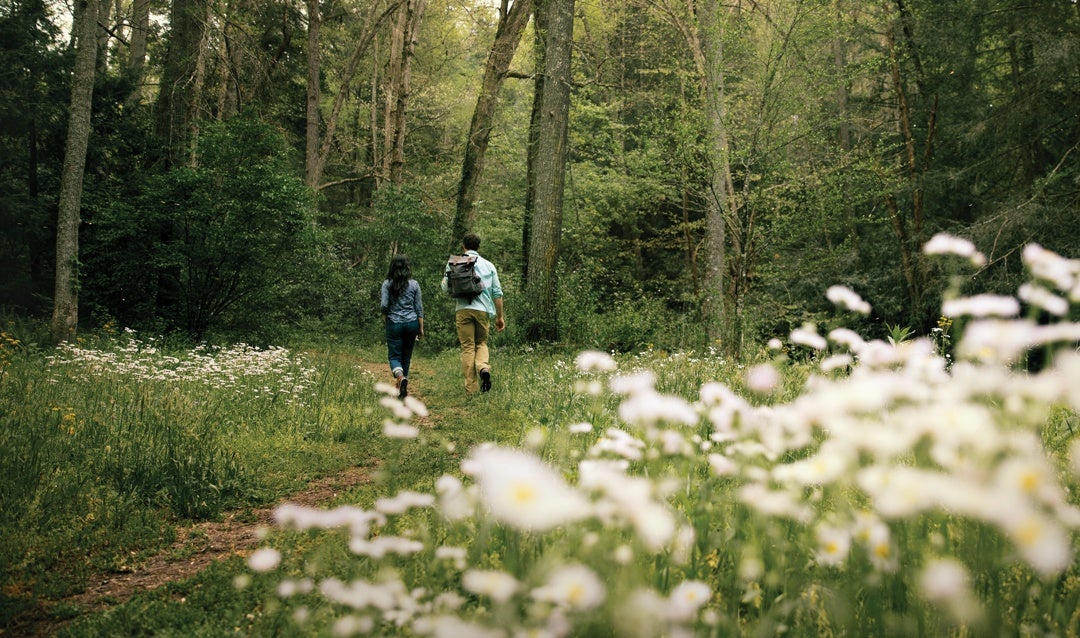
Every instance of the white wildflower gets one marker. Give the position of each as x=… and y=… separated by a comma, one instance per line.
x=633, y=383
x=827, y=465
x=809, y=337
x=985, y=305
x=416, y=405
x=454, y=627
x=264, y=559
x=573, y=586
x=521, y=491
x=751, y=568
x=456, y=555
x=593, y=360
x=722, y=465
x=396, y=407
x=848, y=338
x=687, y=598
x=350, y=625
x=643, y=613
x=997, y=340
x=1051, y=267
x=394, y=430
x=621, y=443
x=945, y=583
x=775, y=503
x=847, y=298
x=388, y=389
x=834, y=543
x=403, y=502
x=290, y=587
x=649, y=408
x=836, y=362
x=880, y=549
x=1044, y=544
x=380, y=546
x=945, y=244
x=673, y=443
x=763, y=379
x=455, y=502
x=898, y=492
x=1040, y=297
x=496, y=585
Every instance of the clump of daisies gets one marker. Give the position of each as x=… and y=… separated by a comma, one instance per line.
x=895, y=469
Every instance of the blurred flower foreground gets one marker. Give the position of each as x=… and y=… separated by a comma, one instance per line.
x=909, y=488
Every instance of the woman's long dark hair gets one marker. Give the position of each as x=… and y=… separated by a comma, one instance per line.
x=398, y=275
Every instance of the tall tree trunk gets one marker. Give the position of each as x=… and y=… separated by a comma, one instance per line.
x=547, y=178
x=103, y=16
x=181, y=77
x=705, y=41
x=399, y=77
x=311, y=154
x=532, y=143
x=512, y=24
x=914, y=169
x=844, y=122
x=65, y=318
x=140, y=25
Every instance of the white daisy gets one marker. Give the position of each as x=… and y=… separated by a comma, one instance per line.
x=521, y=491
x=573, y=586
x=496, y=585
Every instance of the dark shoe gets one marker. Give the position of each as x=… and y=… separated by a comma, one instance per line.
x=403, y=388
x=485, y=380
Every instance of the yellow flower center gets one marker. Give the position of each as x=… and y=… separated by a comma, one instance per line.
x=523, y=494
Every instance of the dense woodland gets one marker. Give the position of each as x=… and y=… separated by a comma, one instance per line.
x=677, y=173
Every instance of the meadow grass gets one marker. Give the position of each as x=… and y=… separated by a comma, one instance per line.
x=724, y=560
x=858, y=488
x=107, y=445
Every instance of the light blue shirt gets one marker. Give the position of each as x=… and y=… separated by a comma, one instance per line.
x=492, y=288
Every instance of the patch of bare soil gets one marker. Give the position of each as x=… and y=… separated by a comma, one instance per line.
x=194, y=549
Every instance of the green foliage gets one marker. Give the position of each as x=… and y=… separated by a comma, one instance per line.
x=33, y=102
x=226, y=245
x=898, y=334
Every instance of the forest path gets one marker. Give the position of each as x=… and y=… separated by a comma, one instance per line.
x=196, y=547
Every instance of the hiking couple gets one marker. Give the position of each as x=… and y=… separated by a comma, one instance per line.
x=403, y=313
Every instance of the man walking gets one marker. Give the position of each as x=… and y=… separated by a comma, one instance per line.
x=473, y=318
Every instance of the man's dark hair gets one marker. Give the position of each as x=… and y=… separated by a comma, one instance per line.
x=471, y=241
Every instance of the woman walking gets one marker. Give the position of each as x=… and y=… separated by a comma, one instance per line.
x=403, y=312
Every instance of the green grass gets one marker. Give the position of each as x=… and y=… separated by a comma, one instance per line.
x=765, y=572
x=104, y=452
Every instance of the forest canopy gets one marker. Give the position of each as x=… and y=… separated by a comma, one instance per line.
x=251, y=167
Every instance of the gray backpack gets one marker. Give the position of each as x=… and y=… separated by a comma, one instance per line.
x=462, y=282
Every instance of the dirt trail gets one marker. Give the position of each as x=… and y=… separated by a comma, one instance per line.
x=195, y=548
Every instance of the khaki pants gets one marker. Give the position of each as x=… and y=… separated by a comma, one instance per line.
x=472, y=332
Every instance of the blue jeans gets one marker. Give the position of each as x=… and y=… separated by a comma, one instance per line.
x=400, y=339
